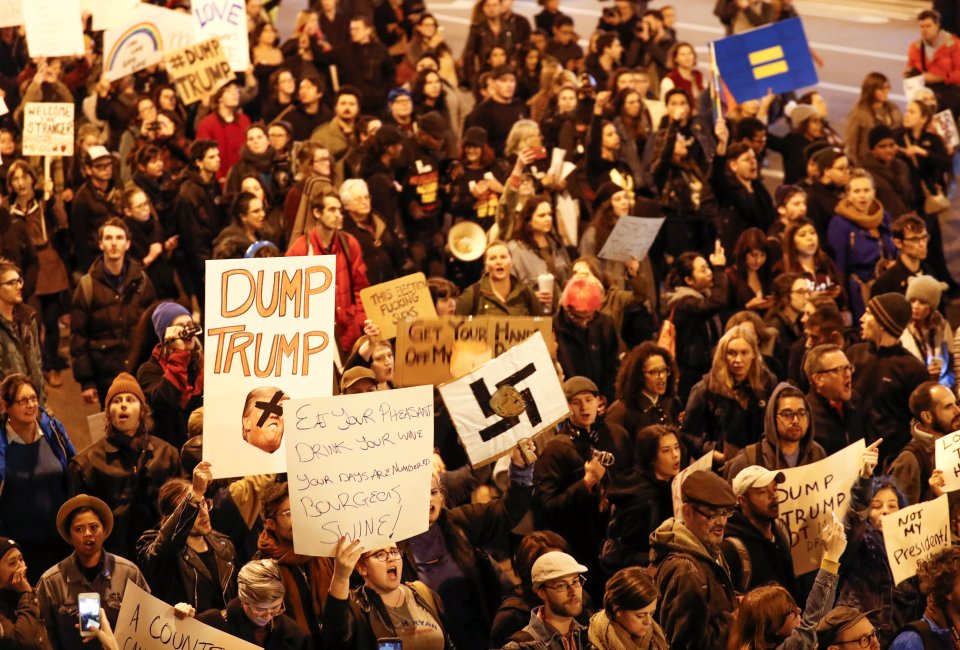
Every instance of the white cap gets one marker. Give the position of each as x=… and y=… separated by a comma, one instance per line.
x=98, y=151
x=755, y=477
x=552, y=565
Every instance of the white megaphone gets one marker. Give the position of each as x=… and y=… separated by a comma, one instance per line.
x=467, y=241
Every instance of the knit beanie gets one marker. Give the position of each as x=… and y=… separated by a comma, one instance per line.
x=125, y=383
x=879, y=133
x=164, y=315
x=824, y=158
x=801, y=113
x=892, y=312
x=925, y=288
x=7, y=545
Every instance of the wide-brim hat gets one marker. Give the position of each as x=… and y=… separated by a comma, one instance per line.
x=84, y=501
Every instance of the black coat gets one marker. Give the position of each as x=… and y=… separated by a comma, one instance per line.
x=283, y=634
x=834, y=432
x=90, y=208
x=770, y=560
x=164, y=398
x=593, y=352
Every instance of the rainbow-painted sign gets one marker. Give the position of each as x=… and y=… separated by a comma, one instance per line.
x=141, y=38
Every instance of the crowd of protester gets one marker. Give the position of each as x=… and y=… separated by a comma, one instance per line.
x=771, y=325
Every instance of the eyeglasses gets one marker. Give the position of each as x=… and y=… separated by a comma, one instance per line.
x=659, y=372
x=26, y=401
x=17, y=281
x=789, y=416
x=716, y=514
x=865, y=641
x=566, y=586
x=918, y=239
x=206, y=504
x=383, y=556
x=266, y=611
x=842, y=370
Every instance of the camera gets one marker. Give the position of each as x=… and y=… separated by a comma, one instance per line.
x=187, y=332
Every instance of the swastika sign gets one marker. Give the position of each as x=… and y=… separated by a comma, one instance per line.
x=510, y=398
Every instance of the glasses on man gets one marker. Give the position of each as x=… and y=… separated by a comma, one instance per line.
x=864, y=642
x=27, y=401
x=713, y=515
x=386, y=554
x=17, y=281
x=560, y=587
x=789, y=416
x=840, y=370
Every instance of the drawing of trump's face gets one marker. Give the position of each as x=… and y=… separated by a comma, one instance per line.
x=263, y=418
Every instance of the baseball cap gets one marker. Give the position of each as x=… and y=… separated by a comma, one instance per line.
x=755, y=477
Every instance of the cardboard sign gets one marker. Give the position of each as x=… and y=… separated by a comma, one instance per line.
x=198, y=70
x=54, y=27
x=48, y=129
x=147, y=622
x=11, y=13
x=359, y=466
x=915, y=533
x=140, y=39
x=705, y=463
x=509, y=399
x=389, y=303
x=269, y=338
x=810, y=495
x=947, y=456
x=227, y=20
x=435, y=351
x=631, y=237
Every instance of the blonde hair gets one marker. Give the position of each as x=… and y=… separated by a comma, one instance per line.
x=520, y=131
x=719, y=380
x=259, y=581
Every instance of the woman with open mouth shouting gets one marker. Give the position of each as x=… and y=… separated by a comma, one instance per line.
x=384, y=607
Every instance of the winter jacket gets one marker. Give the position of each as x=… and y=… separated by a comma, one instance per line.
x=605, y=634
x=884, y=378
x=639, y=503
x=89, y=210
x=351, y=279
x=20, y=620
x=913, y=466
x=696, y=592
x=20, y=347
x=769, y=559
x=857, y=252
x=592, y=352
x=103, y=321
x=177, y=571
x=863, y=118
x=833, y=430
x=174, y=389
x=200, y=218
x=368, y=67
x=945, y=61
x=16, y=246
x=229, y=136
x=259, y=165
x=60, y=586
x=936, y=343
x=665, y=411
x=282, y=632
x=528, y=264
x=719, y=418
x=479, y=300
x=740, y=208
x=330, y=135
x=770, y=455
x=126, y=473
x=382, y=250
x=893, y=184
x=822, y=200
x=537, y=635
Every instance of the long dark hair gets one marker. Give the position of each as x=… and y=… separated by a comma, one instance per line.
x=630, y=379
x=752, y=239
x=524, y=233
x=419, y=97
x=647, y=445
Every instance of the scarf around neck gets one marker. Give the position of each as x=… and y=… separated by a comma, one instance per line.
x=869, y=220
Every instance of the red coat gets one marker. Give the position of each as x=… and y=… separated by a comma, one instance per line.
x=945, y=61
x=351, y=278
x=229, y=136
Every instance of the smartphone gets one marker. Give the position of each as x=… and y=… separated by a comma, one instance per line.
x=389, y=643
x=539, y=153
x=89, y=605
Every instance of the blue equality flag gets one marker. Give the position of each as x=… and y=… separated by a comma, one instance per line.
x=773, y=57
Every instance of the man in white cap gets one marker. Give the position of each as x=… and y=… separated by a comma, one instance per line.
x=557, y=580
x=756, y=545
x=94, y=203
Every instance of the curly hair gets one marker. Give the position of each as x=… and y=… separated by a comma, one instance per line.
x=630, y=378
x=938, y=574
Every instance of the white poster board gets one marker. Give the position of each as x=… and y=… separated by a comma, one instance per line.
x=809, y=497
x=947, y=457
x=11, y=13
x=54, y=27
x=48, y=129
x=631, y=237
x=359, y=466
x=914, y=534
x=147, y=622
x=227, y=20
x=269, y=338
x=142, y=36
x=110, y=13
x=705, y=463
x=946, y=128
x=528, y=369
x=911, y=85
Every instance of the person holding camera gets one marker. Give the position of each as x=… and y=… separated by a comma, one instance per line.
x=172, y=378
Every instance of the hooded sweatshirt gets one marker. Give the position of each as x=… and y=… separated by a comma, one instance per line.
x=770, y=455
x=697, y=596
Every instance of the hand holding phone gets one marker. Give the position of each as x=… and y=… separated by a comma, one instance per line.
x=88, y=604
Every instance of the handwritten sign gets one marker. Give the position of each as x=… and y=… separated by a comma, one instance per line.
x=947, y=457
x=435, y=351
x=359, y=466
x=389, y=303
x=198, y=70
x=705, y=463
x=54, y=27
x=139, y=40
x=48, y=129
x=481, y=402
x=915, y=533
x=269, y=339
x=11, y=14
x=808, y=496
x=227, y=20
x=107, y=13
x=147, y=622
x=946, y=128
x=631, y=237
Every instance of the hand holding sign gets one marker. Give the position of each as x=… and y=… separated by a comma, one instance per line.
x=834, y=540
x=947, y=456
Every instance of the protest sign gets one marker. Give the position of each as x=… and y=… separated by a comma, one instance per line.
x=810, y=495
x=946, y=128
x=269, y=338
x=108, y=13
x=359, y=466
x=434, y=351
x=388, y=303
x=11, y=14
x=631, y=237
x=705, y=463
x=227, y=20
x=147, y=622
x=947, y=456
x=48, y=129
x=913, y=85
x=142, y=36
x=198, y=70
x=54, y=27
x=915, y=533
x=509, y=399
